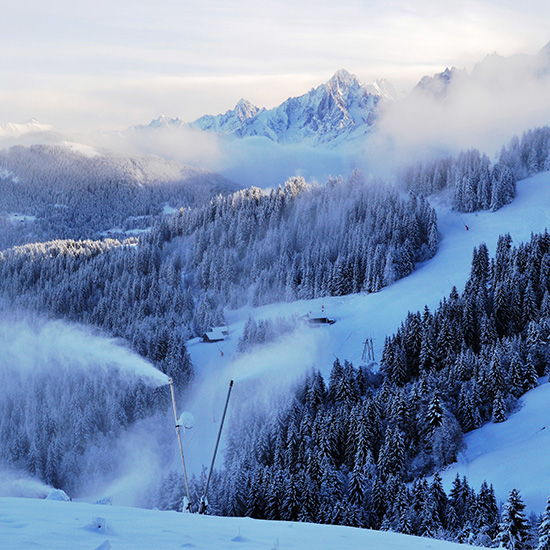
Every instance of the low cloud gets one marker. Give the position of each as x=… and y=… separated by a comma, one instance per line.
x=484, y=109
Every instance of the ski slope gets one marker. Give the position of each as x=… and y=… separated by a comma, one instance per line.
x=270, y=369
x=47, y=524
x=361, y=316
x=508, y=455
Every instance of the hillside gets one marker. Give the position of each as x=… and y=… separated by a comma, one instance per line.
x=359, y=316
x=511, y=454
x=77, y=191
x=376, y=315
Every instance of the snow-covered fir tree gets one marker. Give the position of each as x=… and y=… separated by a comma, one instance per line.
x=513, y=531
x=544, y=529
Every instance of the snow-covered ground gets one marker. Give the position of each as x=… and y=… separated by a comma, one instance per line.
x=508, y=455
x=27, y=523
x=262, y=372
x=513, y=454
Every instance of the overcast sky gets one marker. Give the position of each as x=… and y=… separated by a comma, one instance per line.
x=107, y=64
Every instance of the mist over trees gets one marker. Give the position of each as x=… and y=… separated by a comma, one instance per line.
x=62, y=194
x=118, y=286
x=478, y=184
x=62, y=423
x=302, y=241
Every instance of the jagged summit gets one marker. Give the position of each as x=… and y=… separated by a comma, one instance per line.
x=343, y=80
x=244, y=109
x=162, y=120
x=437, y=84
x=337, y=110
x=229, y=122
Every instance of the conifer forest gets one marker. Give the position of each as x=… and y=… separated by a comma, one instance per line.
x=169, y=257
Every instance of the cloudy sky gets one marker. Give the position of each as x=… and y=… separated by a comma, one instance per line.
x=105, y=64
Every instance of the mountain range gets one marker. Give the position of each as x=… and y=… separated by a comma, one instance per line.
x=344, y=109
x=494, y=71
x=341, y=109
x=12, y=129
x=328, y=129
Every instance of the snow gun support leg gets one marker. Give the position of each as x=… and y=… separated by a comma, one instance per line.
x=204, y=501
x=189, y=506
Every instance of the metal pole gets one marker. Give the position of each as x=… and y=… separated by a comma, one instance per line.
x=179, y=440
x=202, y=505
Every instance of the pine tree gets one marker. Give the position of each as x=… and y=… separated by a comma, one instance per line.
x=544, y=529
x=514, y=527
x=434, y=415
x=499, y=411
x=439, y=499
x=357, y=485
x=487, y=514
x=496, y=377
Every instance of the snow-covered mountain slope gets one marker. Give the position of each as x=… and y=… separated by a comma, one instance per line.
x=336, y=111
x=232, y=121
x=513, y=454
x=41, y=164
x=358, y=317
x=26, y=523
x=78, y=191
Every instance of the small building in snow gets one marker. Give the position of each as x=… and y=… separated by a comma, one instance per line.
x=217, y=334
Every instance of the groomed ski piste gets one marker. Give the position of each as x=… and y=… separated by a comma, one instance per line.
x=374, y=316
x=509, y=455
